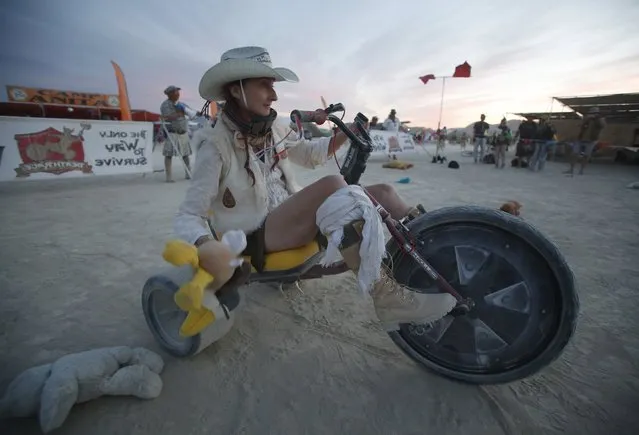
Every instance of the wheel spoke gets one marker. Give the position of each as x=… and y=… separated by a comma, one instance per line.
x=514, y=298
x=470, y=260
x=439, y=328
x=486, y=339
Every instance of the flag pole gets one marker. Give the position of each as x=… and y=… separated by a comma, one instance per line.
x=441, y=104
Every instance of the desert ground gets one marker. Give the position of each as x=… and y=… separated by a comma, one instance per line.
x=76, y=253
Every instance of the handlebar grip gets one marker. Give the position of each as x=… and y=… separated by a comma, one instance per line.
x=303, y=115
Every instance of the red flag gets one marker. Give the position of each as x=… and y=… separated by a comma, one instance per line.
x=462, y=70
x=426, y=78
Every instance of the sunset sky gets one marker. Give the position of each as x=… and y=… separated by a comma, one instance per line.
x=366, y=54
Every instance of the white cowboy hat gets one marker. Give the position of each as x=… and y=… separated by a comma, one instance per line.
x=239, y=64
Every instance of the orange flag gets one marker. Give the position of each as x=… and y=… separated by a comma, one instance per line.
x=123, y=95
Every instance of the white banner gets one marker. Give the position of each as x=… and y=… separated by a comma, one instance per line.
x=40, y=148
x=387, y=142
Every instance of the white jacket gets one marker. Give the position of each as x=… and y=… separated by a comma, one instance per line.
x=219, y=166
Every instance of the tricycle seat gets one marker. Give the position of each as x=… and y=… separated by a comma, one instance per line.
x=281, y=261
x=289, y=259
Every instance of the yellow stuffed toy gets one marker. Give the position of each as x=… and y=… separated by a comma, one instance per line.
x=197, y=297
x=397, y=164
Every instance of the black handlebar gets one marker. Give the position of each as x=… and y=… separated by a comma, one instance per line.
x=311, y=116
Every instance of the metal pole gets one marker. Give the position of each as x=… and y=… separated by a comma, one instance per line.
x=441, y=105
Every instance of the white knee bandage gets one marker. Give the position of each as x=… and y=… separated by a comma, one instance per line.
x=349, y=204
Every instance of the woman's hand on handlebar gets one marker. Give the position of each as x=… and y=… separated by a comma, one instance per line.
x=320, y=116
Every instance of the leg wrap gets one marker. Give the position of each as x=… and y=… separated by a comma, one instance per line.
x=352, y=225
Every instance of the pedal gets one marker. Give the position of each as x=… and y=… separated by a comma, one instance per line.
x=462, y=308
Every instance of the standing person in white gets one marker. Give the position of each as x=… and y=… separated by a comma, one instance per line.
x=392, y=123
x=178, y=128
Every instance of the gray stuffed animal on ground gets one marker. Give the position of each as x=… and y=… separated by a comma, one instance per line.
x=51, y=390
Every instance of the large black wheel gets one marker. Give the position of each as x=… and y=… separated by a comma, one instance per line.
x=164, y=317
x=526, y=303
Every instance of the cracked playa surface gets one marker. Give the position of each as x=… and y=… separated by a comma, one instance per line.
x=77, y=252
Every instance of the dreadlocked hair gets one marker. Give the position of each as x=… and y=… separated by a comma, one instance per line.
x=232, y=108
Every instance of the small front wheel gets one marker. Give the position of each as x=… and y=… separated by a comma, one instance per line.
x=526, y=305
x=164, y=317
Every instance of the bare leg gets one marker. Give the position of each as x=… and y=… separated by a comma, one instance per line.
x=388, y=197
x=167, y=169
x=293, y=223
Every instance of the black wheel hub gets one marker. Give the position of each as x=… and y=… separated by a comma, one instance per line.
x=511, y=287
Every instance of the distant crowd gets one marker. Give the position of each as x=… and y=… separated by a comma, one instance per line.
x=534, y=141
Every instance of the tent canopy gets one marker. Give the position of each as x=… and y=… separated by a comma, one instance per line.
x=615, y=107
x=553, y=116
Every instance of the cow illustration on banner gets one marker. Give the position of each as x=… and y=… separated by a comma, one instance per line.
x=52, y=151
x=393, y=145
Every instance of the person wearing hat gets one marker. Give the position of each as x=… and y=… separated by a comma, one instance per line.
x=392, y=123
x=178, y=141
x=589, y=133
x=242, y=179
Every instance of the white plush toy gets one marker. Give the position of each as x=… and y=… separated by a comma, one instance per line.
x=51, y=390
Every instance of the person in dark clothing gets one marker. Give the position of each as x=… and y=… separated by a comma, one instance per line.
x=591, y=127
x=524, y=138
x=544, y=139
x=480, y=128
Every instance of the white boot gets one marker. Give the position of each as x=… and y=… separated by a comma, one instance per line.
x=395, y=304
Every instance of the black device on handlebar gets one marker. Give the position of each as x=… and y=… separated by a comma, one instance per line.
x=354, y=163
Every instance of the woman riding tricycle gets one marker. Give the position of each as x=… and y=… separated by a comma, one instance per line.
x=452, y=281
